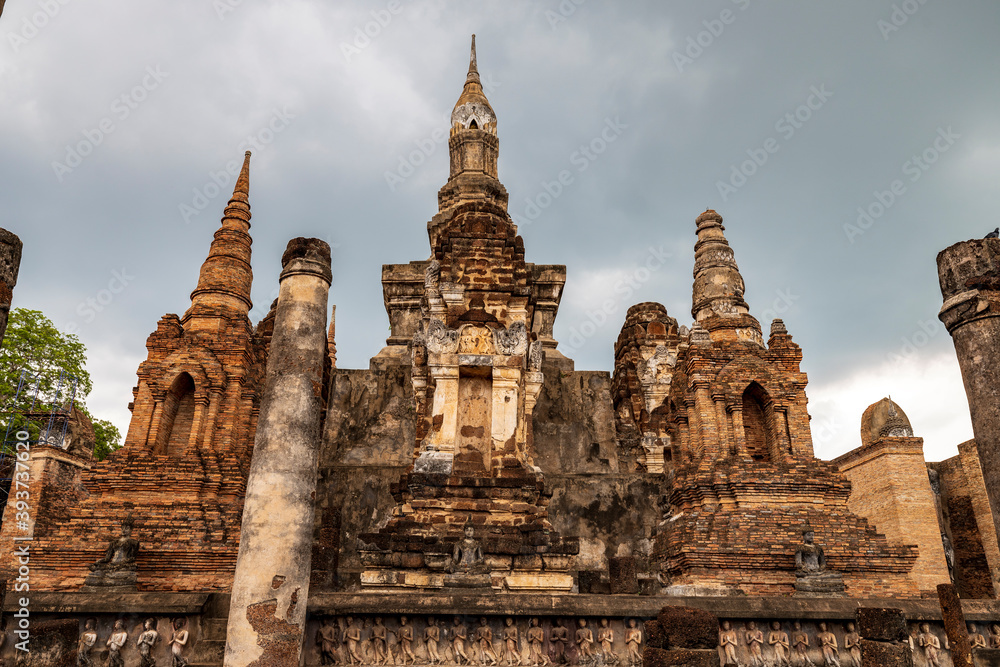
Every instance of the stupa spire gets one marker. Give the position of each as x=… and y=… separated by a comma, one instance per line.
x=224, y=282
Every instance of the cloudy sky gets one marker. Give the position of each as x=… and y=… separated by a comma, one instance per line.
x=844, y=143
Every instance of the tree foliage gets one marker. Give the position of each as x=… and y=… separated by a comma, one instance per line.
x=51, y=357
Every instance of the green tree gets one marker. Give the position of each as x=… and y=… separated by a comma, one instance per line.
x=33, y=343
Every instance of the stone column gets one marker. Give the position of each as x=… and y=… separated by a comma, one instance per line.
x=10, y=262
x=884, y=640
x=969, y=273
x=267, y=615
x=954, y=625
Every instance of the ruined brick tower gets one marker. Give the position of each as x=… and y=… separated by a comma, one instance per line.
x=286, y=511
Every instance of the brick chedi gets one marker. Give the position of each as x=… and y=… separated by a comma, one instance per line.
x=476, y=373
x=743, y=483
x=187, y=452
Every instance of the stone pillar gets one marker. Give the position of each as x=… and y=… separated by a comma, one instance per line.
x=884, y=640
x=267, y=615
x=954, y=625
x=969, y=273
x=10, y=262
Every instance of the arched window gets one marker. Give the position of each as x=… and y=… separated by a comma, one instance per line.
x=756, y=422
x=177, y=417
x=473, y=125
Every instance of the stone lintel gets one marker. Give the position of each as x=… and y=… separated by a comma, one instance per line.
x=532, y=603
x=111, y=602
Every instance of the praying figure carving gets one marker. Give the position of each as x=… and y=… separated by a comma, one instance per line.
x=536, y=644
x=115, y=643
x=404, y=637
x=145, y=643
x=633, y=641
x=379, y=642
x=975, y=638
x=811, y=573
x=88, y=638
x=995, y=636
x=558, y=638
x=459, y=634
x=828, y=644
x=728, y=640
x=606, y=638
x=930, y=644
x=778, y=640
x=510, y=642
x=755, y=642
x=584, y=641
x=327, y=641
x=484, y=638
x=178, y=640
x=800, y=644
x=352, y=637
x=852, y=642
x=432, y=635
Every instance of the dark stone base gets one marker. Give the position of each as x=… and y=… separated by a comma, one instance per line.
x=622, y=574
x=122, y=581
x=52, y=644
x=881, y=624
x=656, y=657
x=829, y=583
x=986, y=657
x=885, y=654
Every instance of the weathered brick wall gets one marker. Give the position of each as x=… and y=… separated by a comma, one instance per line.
x=972, y=571
x=891, y=489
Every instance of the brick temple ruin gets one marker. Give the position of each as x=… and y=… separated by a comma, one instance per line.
x=472, y=498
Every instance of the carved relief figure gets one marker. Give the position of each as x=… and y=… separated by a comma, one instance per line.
x=811, y=573
x=930, y=644
x=459, y=635
x=327, y=640
x=828, y=643
x=432, y=635
x=352, y=636
x=606, y=636
x=439, y=339
x=87, y=640
x=405, y=638
x=484, y=638
x=585, y=641
x=633, y=640
x=558, y=638
x=178, y=640
x=475, y=340
x=379, y=642
x=117, y=566
x=778, y=640
x=513, y=340
x=995, y=636
x=800, y=644
x=468, y=554
x=727, y=640
x=755, y=642
x=536, y=641
x=115, y=643
x=976, y=639
x=852, y=642
x=510, y=641
x=147, y=639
